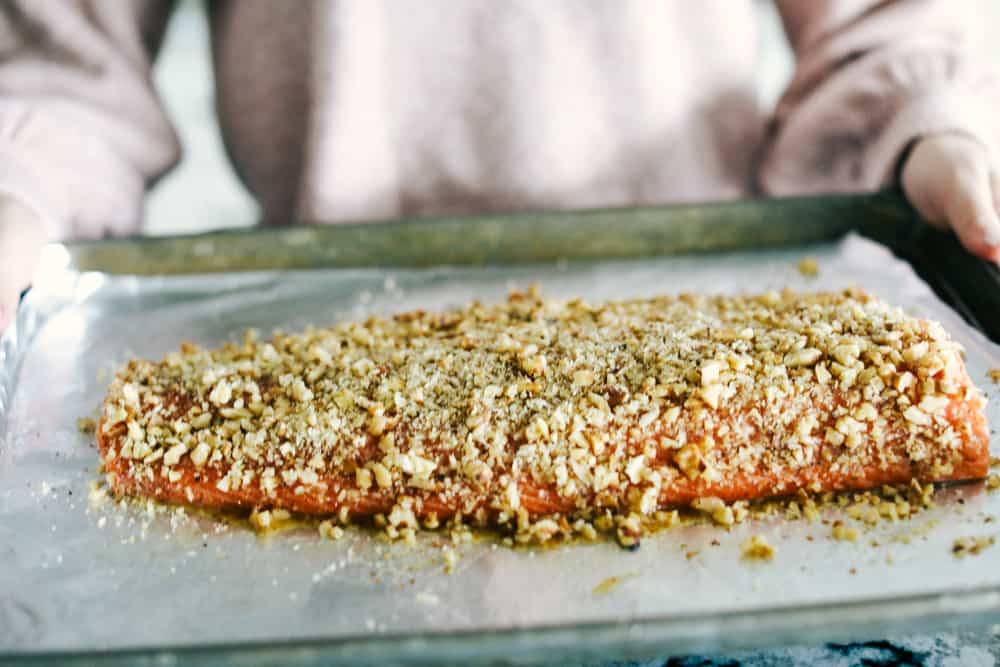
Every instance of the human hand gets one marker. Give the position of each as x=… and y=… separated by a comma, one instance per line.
x=22, y=237
x=949, y=179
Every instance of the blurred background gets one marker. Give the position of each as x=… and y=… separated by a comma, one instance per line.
x=203, y=192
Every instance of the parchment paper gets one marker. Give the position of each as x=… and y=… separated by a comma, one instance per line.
x=76, y=576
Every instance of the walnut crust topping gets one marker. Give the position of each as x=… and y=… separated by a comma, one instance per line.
x=534, y=414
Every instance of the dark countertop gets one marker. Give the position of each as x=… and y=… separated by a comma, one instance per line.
x=981, y=649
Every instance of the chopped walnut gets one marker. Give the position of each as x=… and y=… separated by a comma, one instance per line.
x=757, y=548
x=808, y=267
x=721, y=513
x=971, y=545
x=330, y=531
x=450, y=559
x=843, y=532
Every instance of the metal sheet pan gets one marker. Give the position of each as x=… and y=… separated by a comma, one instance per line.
x=122, y=585
x=510, y=238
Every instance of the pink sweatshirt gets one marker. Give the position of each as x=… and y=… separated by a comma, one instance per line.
x=361, y=109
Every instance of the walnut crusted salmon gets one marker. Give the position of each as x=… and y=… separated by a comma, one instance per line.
x=540, y=416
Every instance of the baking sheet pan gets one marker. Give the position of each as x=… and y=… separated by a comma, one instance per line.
x=100, y=581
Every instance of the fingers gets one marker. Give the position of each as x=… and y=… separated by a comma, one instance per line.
x=8, y=307
x=13, y=279
x=972, y=212
x=21, y=241
x=949, y=180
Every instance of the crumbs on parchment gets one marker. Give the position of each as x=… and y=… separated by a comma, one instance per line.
x=972, y=545
x=809, y=267
x=757, y=548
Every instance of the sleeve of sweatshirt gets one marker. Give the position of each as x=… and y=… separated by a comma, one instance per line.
x=82, y=132
x=871, y=76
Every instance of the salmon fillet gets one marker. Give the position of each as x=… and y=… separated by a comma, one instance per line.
x=535, y=412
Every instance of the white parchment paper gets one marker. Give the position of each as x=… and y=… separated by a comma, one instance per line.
x=78, y=577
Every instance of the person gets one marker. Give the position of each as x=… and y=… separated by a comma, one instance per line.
x=363, y=109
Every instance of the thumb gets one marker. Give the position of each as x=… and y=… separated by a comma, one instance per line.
x=21, y=240
x=948, y=179
x=971, y=211
x=8, y=306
